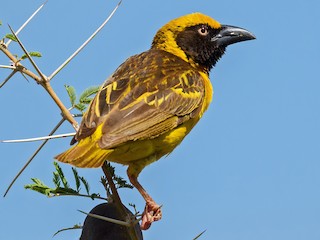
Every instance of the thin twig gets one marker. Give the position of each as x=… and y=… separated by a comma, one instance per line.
x=7, y=79
x=7, y=66
x=41, y=80
x=43, y=77
x=66, y=229
x=33, y=156
x=84, y=44
x=199, y=235
x=107, y=219
x=39, y=138
x=18, y=65
x=24, y=76
x=78, y=195
x=26, y=22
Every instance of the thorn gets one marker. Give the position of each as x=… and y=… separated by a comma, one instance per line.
x=7, y=79
x=8, y=66
x=200, y=234
x=107, y=219
x=39, y=138
x=26, y=22
x=84, y=44
x=43, y=77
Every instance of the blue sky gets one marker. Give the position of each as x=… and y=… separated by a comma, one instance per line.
x=248, y=170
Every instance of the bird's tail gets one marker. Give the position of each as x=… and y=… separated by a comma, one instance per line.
x=85, y=154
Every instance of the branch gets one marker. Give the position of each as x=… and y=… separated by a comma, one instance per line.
x=84, y=44
x=42, y=76
x=17, y=65
x=33, y=156
x=43, y=81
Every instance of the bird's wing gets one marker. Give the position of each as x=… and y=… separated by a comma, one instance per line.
x=144, y=104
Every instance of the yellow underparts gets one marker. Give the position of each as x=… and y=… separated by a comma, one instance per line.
x=136, y=154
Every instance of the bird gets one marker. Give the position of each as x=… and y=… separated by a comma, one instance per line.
x=151, y=102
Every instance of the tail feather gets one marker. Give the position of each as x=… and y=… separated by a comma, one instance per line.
x=85, y=155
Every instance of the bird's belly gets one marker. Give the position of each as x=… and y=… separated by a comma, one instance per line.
x=152, y=149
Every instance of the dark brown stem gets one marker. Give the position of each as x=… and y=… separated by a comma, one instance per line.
x=115, y=197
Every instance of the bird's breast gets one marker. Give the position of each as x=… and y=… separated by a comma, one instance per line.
x=208, y=93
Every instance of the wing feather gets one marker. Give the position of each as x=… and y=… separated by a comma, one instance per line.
x=148, y=95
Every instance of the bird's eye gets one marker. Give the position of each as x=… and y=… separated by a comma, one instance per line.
x=203, y=30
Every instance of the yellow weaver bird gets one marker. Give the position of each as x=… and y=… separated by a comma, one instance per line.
x=153, y=100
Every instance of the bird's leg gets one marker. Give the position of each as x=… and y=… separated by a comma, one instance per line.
x=152, y=211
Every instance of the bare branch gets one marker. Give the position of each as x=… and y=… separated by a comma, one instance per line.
x=41, y=80
x=33, y=156
x=84, y=44
x=18, y=65
x=26, y=22
x=39, y=138
x=66, y=229
x=65, y=112
x=43, y=77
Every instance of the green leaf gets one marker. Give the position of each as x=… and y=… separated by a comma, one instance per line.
x=86, y=100
x=94, y=195
x=64, y=191
x=80, y=106
x=87, y=93
x=86, y=184
x=121, y=183
x=76, y=178
x=32, y=54
x=72, y=94
x=61, y=175
x=38, y=186
x=56, y=179
x=35, y=54
x=0, y=23
x=11, y=37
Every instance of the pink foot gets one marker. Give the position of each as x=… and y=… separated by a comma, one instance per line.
x=151, y=213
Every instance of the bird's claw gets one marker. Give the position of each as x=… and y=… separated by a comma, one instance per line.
x=151, y=213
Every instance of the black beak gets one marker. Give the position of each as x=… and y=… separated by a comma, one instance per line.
x=230, y=34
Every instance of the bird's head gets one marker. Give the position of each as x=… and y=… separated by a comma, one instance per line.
x=198, y=39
